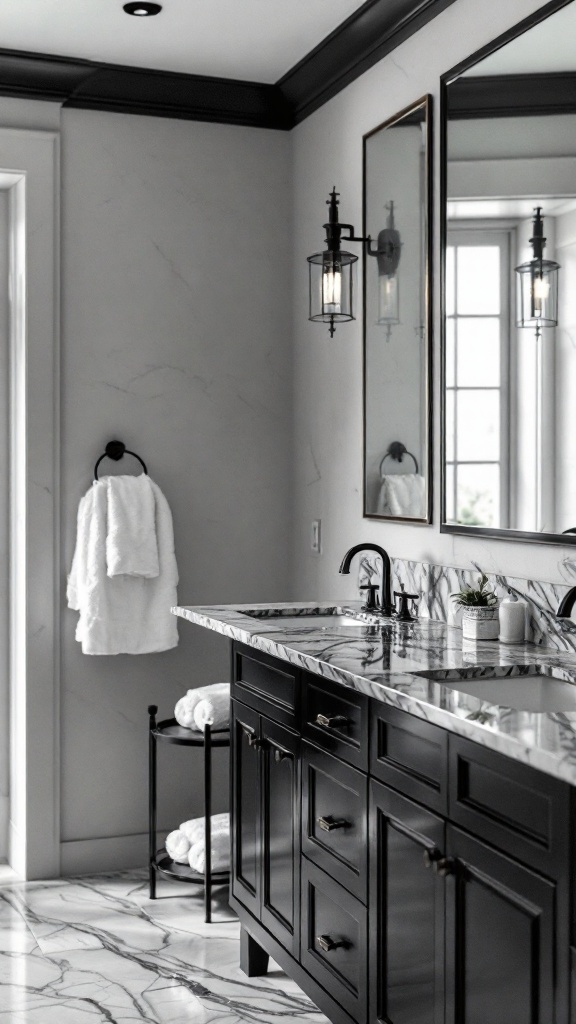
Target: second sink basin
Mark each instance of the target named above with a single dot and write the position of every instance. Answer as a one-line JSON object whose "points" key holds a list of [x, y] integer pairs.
{"points": [[534, 692]]}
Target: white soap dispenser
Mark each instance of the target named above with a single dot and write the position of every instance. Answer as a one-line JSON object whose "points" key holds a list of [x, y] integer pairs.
{"points": [[512, 620]]}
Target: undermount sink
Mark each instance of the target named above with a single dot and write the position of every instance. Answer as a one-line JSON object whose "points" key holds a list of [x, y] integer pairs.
{"points": [[534, 691], [329, 621]]}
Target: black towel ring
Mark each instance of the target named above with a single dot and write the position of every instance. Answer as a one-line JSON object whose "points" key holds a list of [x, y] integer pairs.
{"points": [[397, 451], [115, 450]]}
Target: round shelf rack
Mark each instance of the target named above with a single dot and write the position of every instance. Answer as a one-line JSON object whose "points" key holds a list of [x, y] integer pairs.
{"points": [[160, 863]]}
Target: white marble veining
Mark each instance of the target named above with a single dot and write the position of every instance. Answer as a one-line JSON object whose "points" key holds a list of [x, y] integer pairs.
{"points": [[99, 950], [392, 661], [435, 584]]}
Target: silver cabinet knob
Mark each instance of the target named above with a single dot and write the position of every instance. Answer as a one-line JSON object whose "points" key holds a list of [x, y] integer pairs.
{"points": [[331, 721], [329, 824], [328, 944]]}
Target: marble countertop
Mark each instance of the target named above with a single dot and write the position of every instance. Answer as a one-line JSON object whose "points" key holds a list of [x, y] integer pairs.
{"points": [[392, 662]]}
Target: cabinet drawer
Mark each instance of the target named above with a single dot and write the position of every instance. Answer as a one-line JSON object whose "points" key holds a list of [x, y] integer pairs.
{"points": [[334, 818], [517, 808], [410, 755], [333, 942], [335, 719], [265, 683]]}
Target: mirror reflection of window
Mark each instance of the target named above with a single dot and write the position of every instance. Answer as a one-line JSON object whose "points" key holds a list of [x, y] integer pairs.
{"points": [[477, 356]]}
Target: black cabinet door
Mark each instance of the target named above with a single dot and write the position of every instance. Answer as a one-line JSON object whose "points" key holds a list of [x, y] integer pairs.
{"points": [[245, 818], [406, 912], [280, 834], [501, 938]]}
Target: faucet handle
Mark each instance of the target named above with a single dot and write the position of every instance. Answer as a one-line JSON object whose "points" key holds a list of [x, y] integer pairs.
{"points": [[403, 611], [372, 599]]}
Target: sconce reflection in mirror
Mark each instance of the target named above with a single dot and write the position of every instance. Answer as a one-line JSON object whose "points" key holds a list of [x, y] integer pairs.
{"points": [[388, 255], [331, 276], [537, 295]]}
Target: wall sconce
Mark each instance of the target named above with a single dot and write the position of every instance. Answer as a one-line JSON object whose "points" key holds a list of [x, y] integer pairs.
{"points": [[388, 252], [537, 293], [331, 277]]}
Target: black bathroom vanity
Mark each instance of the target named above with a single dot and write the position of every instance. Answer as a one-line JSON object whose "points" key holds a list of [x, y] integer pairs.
{"points": [[402, 849]]}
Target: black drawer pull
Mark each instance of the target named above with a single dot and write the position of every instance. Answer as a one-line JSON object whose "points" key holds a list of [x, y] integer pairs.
{"points": [[329, 824], [445, 866], [431, 857], [280, 755], [327, 944], [331, 722]]}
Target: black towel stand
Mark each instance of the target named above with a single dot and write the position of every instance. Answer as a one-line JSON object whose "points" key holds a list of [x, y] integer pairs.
{"points": [[115, 450]]}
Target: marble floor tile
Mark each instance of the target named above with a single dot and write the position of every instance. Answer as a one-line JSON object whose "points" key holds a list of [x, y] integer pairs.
{"points": [[91, 950]]}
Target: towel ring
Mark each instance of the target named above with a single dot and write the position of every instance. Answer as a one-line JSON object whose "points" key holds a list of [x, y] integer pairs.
{"points": [[115, 450], [397, 451]]}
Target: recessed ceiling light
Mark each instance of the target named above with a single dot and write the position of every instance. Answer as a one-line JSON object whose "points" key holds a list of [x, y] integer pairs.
{"points": [[142, 9]]}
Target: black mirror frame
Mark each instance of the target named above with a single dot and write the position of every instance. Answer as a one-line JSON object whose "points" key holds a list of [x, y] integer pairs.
{"points": [[425, 102], [490, 101]]}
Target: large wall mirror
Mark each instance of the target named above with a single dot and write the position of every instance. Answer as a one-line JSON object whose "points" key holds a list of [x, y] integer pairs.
{"points": [[509, 284], [397, 369]]}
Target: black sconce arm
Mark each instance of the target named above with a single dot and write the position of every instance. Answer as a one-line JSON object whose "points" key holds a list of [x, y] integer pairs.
{"points": [[372, 248]]}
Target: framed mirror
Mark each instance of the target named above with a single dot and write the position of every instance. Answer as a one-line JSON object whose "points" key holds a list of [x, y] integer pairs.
{"points": [[508, 194], [397, 317]]}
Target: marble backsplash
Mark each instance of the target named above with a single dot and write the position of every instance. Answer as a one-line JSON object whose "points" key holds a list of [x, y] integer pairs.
{"points": [[435, 584]]}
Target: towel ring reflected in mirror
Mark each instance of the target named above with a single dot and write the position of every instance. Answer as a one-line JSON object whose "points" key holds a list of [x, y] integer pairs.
{"points": [[115, 450], [396, 450]]}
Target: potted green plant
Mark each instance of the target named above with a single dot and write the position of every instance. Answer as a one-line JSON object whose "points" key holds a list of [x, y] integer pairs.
{"points": [[479, 610]]}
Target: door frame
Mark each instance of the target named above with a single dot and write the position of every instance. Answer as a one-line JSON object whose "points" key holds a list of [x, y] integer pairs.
{"points": [[29, 170]]}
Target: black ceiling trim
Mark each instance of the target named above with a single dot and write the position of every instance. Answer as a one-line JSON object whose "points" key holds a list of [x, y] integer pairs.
{"points": [[354, 47], [512, 95], [193, 97], [128, 90], [369, 34]]}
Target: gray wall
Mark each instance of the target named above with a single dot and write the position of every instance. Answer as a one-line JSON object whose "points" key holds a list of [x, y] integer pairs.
{"points": [[175, 333]]}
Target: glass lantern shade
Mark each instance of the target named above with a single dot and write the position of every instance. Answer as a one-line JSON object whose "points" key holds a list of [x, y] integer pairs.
{"points": [[331, 279], [388, 299], [537, 300]]}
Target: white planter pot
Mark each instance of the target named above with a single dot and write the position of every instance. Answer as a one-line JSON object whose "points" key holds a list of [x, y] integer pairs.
{"points": [[480, 623]]}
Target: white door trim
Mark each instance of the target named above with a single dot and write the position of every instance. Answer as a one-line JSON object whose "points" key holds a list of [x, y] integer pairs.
{"points": [[29, 168]]}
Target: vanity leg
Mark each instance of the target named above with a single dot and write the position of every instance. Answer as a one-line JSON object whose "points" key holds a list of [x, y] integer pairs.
{"points": [[253, 959]]}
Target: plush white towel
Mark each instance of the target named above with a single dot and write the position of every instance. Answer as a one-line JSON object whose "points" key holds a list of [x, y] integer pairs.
{"points": [[402, 494], [177, 846], [122, 614], [220, 847], [194, 829], [186, 706], [131, 547], [213, 710]]}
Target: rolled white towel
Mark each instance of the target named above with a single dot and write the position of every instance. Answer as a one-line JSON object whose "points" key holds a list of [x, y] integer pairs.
{"points": [[220, 853], [213, 710], [177, 846], [184, 710], [194, 829]]}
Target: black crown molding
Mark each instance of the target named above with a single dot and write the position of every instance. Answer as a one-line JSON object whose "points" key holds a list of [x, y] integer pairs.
{"points": [[512, 95], [362, 40]]}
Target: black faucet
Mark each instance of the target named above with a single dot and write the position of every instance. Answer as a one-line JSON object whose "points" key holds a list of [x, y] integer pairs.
{"points": [[387, 608], [566, 604]]}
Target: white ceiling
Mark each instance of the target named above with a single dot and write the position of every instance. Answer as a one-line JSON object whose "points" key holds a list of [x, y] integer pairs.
{"points": [[254, 40], [547, 47]]}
